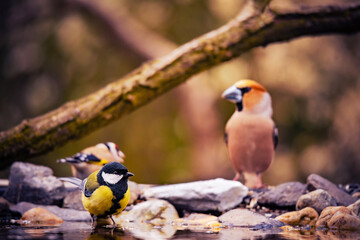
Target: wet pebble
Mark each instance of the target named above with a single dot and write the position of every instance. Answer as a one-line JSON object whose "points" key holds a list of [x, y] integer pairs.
{"points": [[304, 217], [284, 195], [29, 182], [65, 214], [152, 219], [153, 211], [342, 198], [318, 200], [210, 195], [245, 218], [196, 219], [41, 216], [339, 218], [199, 222]]}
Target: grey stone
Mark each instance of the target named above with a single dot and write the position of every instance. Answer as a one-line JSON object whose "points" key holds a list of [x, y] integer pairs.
{"points": [[73, 200], [4, 205], [154, 211], [245, 218], [210, 195], [283, 196], [64, 213], [315, 181], [32, 183], [152, 219], [318, 200]]}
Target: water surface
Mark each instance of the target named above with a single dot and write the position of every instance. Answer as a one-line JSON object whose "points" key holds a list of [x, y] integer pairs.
{"points": [[83, 230]]}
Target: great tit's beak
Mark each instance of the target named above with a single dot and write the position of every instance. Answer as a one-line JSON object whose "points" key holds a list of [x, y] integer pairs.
{"points": [[233, 94], [129, 174]]}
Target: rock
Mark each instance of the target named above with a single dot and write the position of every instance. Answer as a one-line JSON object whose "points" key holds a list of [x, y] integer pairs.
{"points": [[196, 219], [210, 195], [356, 195], [318, 200], [73, 200], [355, 208], [305, 217], [41, 216], [282, 196], [151, 219], [315, 181], [4, 205], [6, 215], [154, 211], [199, 222], [245, 218], [351, 188], [339, 218], [32, 183], [64, 213], [137, 190]]}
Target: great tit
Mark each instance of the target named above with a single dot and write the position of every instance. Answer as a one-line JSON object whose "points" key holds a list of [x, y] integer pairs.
{"points": [[93, 158], [250, 134], [104, 192]]}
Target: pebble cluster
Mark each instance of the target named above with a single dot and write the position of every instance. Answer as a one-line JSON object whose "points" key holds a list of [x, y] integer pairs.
{"points": [[212, 205]]}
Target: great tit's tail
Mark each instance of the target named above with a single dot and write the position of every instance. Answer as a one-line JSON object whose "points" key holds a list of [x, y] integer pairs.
{"points": [[76, 181]]}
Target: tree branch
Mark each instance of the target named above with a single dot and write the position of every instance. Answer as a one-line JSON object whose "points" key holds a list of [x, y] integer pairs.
{"points": [[268, 24]]}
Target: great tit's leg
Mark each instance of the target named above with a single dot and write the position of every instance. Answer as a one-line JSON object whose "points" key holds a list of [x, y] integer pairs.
{"points": [[93, 220], [114, 224]]}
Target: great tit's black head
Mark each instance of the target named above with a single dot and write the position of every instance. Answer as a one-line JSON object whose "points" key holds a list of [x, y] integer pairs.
{"points": [[113, 173]]}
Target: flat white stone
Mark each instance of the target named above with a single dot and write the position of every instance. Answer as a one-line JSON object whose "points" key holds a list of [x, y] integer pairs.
{"points": [[209, 195]]}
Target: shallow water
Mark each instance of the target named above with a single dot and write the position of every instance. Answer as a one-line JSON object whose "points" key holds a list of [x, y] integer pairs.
{"points": [[83, 230]]}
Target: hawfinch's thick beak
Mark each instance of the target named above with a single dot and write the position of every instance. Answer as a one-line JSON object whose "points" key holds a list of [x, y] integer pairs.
{"points": [[233, 94]]}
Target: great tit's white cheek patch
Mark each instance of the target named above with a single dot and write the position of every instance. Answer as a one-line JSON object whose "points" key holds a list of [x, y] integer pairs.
{"points": [[111, 178]]}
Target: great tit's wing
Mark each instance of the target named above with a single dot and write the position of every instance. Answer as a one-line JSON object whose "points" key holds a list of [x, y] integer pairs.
{"points": [[76, 181], [79, 158], [90, 184]]}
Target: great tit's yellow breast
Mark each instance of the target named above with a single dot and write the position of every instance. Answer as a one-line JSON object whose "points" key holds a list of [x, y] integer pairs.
{"points": [[124, 201], [99, 202]]}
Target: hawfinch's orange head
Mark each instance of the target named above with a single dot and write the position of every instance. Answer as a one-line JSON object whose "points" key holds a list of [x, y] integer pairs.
{"points": [[249, 96]]}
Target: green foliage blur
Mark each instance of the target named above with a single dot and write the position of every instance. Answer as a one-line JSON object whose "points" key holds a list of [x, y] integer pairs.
{"points": [[51, 54]]}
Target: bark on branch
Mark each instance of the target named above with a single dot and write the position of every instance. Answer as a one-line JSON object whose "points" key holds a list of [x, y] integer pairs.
{"points": [[261, 26]]}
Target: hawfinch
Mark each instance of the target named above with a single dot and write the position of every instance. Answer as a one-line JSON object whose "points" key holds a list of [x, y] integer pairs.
{"points": [[250, 134], [93, 158]]}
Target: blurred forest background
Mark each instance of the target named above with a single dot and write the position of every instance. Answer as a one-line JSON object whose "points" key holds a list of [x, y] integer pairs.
{"points": [[51, 52]]}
